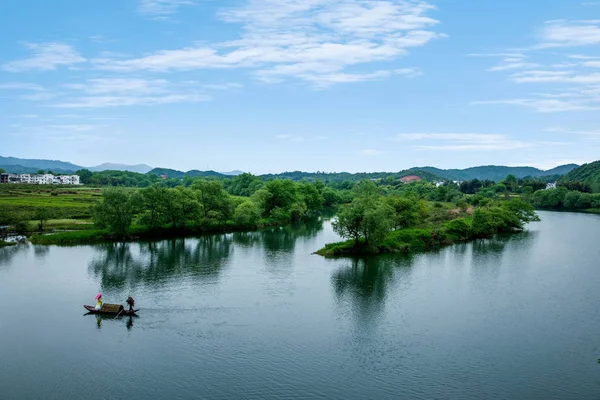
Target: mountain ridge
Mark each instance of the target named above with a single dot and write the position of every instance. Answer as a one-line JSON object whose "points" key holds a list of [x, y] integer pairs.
{"points": [[491, 172]]}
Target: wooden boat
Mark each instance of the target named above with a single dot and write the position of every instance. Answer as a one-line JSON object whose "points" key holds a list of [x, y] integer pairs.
{"points": [[111, 309]]}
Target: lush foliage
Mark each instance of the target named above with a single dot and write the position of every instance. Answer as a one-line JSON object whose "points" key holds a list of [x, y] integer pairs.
{"points": [[205, 203], [496, 217], [588, 174]]}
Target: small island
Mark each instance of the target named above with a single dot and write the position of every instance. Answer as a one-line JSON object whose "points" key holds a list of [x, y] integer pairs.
{"points": [[375, 224]]}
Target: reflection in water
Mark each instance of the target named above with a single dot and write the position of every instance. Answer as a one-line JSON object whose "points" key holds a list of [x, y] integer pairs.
{"points": [[9, 252], [364, 283], [100, 318], [120, 264], [40, 252], [126, 264]]}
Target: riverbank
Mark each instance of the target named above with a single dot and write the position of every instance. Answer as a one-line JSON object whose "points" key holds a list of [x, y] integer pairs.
{"points": [[6, 244], [94, 236]]}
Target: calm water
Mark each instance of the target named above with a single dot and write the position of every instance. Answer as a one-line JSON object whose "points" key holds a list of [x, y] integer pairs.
{"points": [[256, 316]]}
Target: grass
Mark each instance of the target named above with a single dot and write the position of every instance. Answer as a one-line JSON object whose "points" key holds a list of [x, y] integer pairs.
{"points": [[6, 244], [71, 238], [62, 202]]}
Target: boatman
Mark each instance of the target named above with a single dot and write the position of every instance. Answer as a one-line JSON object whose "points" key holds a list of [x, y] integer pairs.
{"points": [[130, 303]]}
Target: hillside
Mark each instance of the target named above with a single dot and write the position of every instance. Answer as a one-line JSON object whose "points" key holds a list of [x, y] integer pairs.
{"points": [[35, 165], [139, 168], [346, 176], [173, 173], [587, 173], [20, 169], [496, 172]]}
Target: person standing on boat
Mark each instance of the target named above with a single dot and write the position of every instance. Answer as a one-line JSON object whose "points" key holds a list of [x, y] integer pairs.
{"points": [[98, 299], [130, 303]]}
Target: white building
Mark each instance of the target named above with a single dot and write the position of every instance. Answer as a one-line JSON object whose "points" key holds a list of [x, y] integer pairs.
{"points": [[551, 185], [45, 179]]}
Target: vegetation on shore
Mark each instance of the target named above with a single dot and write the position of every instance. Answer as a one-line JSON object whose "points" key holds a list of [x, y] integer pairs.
{"points": [[6, 244], [191, 205], [375, 224], [204, 207]]}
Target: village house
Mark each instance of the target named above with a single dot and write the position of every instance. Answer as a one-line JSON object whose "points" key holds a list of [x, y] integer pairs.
{"points": [[410, 179], [40, 179]]}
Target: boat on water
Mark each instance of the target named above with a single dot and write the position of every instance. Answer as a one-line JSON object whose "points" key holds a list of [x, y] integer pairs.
{"points": [[111, 309]]}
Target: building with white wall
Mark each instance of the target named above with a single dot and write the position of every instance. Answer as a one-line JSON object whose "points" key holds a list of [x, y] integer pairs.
{"points": [[40, 179]]}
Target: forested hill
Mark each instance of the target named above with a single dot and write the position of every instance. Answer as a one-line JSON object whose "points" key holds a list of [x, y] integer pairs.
{"points": [[33, 165], [588, 174], [346, 176], [173, 173], [496, 172]]}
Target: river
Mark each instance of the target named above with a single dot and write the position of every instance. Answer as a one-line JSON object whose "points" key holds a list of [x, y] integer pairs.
{"points": [[257, 316]]}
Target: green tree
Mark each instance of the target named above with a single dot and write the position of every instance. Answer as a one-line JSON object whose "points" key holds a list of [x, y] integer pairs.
{"points": [[156, 203], [42, 215], [247, 214], [85, 176], [215, 201], [182, 206], [116, 210], [41, 172], [2, 171], [368, 217]]}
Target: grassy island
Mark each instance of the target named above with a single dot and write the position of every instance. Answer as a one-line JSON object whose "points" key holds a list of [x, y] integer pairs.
{"points": [[376, 224]]}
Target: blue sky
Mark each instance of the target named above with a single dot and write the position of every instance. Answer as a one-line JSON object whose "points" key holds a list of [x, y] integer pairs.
{"points": [[314, 85]]}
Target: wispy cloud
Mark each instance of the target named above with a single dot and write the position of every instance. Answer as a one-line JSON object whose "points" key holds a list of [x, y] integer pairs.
{"points": [[544, 105], [46, 57], [316, 41], [112, 92], [566, 33], [21, 86], [461, 141], [161, 9], [575, 77]]}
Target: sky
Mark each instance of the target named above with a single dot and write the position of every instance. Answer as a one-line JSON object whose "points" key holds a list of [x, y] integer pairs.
{"points": [[313, 85]]}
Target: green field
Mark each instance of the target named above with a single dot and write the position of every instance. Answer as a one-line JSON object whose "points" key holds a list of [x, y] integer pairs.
{"points": [[62, 202]]}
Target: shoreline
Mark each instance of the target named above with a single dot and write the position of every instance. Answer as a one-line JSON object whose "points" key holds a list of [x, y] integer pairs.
{"points": [[97, 236], [405, 241]]}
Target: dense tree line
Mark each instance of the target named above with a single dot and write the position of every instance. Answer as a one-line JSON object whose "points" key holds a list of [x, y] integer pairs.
{"points": [[206, 203]]}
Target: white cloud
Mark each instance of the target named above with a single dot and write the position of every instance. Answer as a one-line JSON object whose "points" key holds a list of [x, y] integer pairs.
{"points": [[544, 105], [76, 128], [461, 141], [113, 92], [122, 85], [311, 40], [161, 9], [21, 86], [125, 100], [566, 33], [46, 57]]}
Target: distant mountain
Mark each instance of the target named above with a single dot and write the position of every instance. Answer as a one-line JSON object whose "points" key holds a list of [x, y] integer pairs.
{"points": [[496, 172], [587, 173], [173, 173], [139, 168], [232, 173], [53, 165], [561, 170], [19, 169], [346, 176]]}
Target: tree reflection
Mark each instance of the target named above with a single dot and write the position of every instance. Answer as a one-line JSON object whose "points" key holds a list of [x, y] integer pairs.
{"points": [[364, 283], [120, 264], [9, 252]]}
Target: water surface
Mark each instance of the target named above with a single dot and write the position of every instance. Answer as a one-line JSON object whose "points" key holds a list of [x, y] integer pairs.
{"points": [[257, 316]]}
